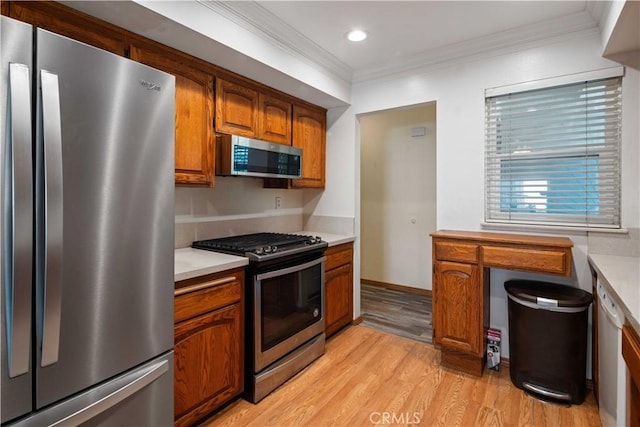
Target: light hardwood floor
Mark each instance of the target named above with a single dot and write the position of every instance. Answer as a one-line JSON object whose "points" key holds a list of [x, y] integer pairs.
{"points": [[368, 377]]}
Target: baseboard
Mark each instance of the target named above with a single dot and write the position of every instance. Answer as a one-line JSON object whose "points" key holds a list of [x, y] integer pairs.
{"points": [[504, 362], [402, 288], [356, 321]]}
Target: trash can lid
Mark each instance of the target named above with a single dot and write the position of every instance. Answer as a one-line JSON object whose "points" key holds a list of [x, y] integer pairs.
{"points": [[563, 295]]}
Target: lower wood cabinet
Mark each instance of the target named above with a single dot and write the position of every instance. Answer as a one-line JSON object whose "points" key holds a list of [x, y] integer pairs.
{"points": [[461, 268], [460, 299], [209, 344], [338, 279], [631, 354]]}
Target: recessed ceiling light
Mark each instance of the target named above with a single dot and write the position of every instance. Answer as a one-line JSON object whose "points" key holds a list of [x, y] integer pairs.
{"points": [[356, 35]]}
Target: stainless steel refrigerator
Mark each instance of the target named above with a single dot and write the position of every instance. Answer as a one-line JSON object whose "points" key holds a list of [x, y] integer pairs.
{"points": [[86, 174]]}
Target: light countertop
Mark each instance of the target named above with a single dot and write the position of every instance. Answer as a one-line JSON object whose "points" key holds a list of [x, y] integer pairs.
{"points": [[621, 275], [191, 262]]}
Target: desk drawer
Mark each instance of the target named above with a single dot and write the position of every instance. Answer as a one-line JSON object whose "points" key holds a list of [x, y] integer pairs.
{"points": [[454, 251], [540, 261]]}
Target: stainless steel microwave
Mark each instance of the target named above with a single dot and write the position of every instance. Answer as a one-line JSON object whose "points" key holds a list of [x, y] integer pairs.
{"points": [[237, 155]]}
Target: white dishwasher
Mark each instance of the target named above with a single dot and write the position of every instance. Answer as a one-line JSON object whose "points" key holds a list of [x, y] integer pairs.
{"points": [[612, 371]]}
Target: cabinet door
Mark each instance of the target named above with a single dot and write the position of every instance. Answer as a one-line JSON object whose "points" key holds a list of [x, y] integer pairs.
{"points": [[236, 109], [309, 133], [631, 354], [208, 363], [194, 115], [458, 306], [274, 120], [338, 298]]}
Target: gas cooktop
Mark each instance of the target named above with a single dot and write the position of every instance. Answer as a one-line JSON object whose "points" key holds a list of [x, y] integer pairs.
{"points": [[262, 246]]}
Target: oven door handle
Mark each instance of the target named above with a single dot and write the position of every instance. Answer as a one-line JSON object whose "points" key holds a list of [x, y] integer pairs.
{"points": [[290, 270]]}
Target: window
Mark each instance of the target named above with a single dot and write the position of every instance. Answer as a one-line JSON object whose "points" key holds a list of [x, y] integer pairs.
{"points": [[553, 155]]}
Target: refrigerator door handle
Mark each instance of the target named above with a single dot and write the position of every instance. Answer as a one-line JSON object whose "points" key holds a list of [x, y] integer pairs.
{"points": [[18, 221], [53, 217], [146, 377]]}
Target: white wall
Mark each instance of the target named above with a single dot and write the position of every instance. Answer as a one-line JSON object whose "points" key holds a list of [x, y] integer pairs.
{"points": [[458, 89], [398, 195]]}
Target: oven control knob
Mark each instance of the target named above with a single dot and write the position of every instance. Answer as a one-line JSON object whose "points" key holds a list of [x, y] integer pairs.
{"points": [[267, 249], [259, 251], [274, 248]]}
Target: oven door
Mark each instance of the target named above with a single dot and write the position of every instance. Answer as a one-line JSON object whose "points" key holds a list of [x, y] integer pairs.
{"points": [[288, 308]]}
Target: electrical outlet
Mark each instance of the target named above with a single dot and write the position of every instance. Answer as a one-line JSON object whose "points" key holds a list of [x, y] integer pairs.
{"points": [[278, 201]]}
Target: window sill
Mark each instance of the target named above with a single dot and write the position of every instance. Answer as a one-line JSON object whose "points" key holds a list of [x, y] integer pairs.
{"points": [[550, 228]]}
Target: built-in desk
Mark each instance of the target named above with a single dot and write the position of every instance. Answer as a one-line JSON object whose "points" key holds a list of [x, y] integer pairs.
{"points": [[461, 262]]}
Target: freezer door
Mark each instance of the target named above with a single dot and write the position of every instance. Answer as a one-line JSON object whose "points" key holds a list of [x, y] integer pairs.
{"points": [[16, 218], [140, 397], [104, 209]]}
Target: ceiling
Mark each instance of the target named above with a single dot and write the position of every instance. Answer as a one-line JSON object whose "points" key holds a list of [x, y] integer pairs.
{"points": [[399, 30], [299, 47]]}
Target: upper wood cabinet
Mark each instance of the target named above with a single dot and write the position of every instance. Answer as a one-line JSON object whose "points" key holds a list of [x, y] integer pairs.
{"points": [[68, 22], [274, 120], [236, 109], [195, 149], [309, 133], [240, 107], [242, 110]]}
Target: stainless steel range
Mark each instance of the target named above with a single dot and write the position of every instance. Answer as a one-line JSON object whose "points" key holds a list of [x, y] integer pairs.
{"points": [[284, 305]]}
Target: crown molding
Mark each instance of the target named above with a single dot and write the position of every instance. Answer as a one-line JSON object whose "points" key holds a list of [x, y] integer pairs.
{"points": [[251, 16], [268, 26], [521, 38]]}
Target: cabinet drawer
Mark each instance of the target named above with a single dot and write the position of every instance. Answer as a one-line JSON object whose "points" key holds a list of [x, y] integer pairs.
{"points": [[199, 298], [338, 255], [538, 260], [453, 251]]}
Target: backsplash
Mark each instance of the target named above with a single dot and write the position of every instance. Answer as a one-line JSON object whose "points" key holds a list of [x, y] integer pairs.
{"points": [[329, 224], [622, 244], [240, 205], [237, 205]]}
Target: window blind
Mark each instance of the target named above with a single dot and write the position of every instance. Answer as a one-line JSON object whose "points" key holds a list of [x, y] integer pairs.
{"points": [[552, 155]]}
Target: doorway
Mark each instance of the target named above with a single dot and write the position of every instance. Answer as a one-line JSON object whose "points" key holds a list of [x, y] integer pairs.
{"points": [[397, 213]]}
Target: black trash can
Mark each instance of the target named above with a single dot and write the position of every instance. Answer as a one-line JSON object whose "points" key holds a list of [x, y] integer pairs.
{"points": [[548, 339]]}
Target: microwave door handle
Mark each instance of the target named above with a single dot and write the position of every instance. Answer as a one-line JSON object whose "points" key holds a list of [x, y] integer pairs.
{"points": [[17, 194], [53, 217]]}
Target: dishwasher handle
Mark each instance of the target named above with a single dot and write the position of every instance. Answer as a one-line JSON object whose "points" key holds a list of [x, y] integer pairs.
{"points": [[610, 307]]}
